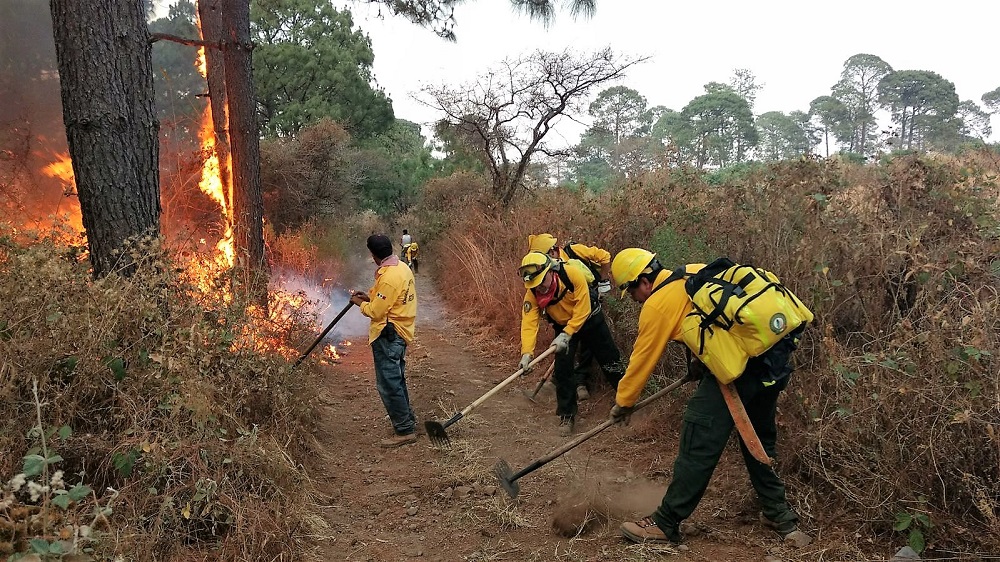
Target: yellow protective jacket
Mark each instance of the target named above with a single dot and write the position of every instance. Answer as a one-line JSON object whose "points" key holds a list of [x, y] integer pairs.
{"points": [[571, 311], [591, 254], [659, 324], [393, 299]]}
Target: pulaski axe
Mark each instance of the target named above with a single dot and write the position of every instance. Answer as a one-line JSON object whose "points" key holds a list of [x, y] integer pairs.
{"points": [[743, 424]]}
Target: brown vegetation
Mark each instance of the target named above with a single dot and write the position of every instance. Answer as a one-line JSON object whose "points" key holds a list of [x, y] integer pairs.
{"points": [[893, 422], [180, 415]]}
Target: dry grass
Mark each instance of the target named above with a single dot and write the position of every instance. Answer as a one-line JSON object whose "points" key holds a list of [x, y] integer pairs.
{"points": [[894, 414], [186, 414]]}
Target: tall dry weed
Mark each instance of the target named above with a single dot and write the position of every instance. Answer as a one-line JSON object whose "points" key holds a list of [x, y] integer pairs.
{"points": [[176, 407], [894, 414]]}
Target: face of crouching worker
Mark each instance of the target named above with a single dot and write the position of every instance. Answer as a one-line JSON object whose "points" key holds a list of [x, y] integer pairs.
{"points": [[640, 289], [546, 285]]}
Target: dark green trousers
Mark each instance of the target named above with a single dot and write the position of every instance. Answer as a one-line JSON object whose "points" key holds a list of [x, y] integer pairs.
{"points": [[705, 431], [596, 337]]}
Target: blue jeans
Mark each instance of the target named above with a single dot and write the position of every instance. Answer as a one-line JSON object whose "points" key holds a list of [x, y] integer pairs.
{"points": [[389, 351]]}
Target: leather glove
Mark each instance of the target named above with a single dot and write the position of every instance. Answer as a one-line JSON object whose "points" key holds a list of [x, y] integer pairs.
{"points": [[621, 414], [561, 342], [525, 364]]}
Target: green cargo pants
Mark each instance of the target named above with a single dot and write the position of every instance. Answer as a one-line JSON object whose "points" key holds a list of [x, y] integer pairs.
{"points": [[705, 431]]}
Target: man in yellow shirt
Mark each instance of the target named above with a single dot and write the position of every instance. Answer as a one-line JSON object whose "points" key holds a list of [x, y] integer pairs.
{"points": [[598, 260], [391, 304], [707, 421], [559, 291]]}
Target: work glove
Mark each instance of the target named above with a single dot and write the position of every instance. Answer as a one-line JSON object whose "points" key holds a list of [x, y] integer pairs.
{"points": [[525, 364], [621, 414], [561, 342], [603, 288]]}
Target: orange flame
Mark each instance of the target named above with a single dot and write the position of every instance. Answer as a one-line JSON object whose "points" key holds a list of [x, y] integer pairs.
{"points": [[61, 168], [331, 350], [211, 178]]}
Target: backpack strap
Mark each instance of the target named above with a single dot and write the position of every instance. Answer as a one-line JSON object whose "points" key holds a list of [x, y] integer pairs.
{"points": [[564, 277], [595, 303], [675, 275]]}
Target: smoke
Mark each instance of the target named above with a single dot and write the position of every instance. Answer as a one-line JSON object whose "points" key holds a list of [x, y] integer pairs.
{"points": [[325, 300], [31, 128]]}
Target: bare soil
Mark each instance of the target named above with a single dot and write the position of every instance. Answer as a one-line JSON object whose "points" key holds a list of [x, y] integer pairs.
{"points": [[419, 502]]}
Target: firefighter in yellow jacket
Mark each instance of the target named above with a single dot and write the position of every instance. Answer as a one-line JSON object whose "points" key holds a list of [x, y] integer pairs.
{"points": [[707, 423], [560, 292], [598, 260], [391, 304]]}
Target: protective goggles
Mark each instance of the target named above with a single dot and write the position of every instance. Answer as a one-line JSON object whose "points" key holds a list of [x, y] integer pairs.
{"points": [[628, 286], [531, 271]]}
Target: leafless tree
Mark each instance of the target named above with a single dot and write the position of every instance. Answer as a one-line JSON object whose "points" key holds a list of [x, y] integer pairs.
{"points": [[505, 115]]}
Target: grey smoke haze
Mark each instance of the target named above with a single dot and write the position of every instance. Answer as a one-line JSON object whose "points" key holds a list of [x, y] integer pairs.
{"points": [[31, 127]]}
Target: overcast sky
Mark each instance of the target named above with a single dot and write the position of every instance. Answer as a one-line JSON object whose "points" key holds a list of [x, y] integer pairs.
{"points": [[795, 48]]}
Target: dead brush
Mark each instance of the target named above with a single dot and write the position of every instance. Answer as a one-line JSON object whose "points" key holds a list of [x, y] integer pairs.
{"points": [[197, 433], [892, 411], [498, 513]]}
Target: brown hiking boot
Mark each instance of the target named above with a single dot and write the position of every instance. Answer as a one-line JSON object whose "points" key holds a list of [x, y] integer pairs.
{"points": [[789, 532], [582, 393], [398, 441], [646, 531], [566, 425]]}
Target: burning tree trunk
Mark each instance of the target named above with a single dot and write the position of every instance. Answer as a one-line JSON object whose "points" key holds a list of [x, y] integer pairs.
{"points": [[106, 80], [212, 31], [248, 202]]}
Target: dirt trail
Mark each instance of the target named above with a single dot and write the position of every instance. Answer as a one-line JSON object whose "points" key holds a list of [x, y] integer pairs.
{"points": [[421, 503]]}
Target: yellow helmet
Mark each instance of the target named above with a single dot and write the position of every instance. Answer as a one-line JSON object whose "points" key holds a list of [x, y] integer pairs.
{"points": [[533, 268], [628, 265], [541, 242]]}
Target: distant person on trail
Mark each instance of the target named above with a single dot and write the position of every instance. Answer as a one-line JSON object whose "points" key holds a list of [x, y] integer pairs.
{"points": [[560, 292], [598, 260], [409, 251], [707, 421], [391, 304]]}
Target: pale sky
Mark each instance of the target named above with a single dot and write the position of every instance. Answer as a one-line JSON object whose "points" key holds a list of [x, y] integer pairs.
{"points": [[795, 48]]}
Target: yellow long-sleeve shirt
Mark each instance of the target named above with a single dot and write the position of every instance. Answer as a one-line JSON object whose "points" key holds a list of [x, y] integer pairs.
{"points": [[393, 299], [659, 324], [571, 311], [593, 254]]}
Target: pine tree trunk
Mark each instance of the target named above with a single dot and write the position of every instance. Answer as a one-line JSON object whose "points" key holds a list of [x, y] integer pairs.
{"points": [[106, 80], [248, 203], [213, 31]]}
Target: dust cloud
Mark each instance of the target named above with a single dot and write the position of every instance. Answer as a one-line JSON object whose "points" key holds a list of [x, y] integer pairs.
{"points": [[595, 500]]}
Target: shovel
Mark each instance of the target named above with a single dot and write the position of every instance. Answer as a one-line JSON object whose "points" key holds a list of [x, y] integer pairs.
{"points": [[541, 383], [323, 335], [435, 429], [508, 478]]}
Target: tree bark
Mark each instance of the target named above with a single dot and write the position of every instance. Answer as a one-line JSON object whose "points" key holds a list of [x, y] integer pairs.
{"points": [[106, 81], [248, 203], [212, 32]]}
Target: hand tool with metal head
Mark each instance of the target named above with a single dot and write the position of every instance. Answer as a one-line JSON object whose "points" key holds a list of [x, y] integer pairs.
{"points": [[436, 430], [323, 335], [541, 383], [508, 479]]}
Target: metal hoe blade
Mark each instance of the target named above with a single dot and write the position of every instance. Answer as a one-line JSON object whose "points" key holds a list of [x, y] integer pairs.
{"points": [[437, 434], [540, 384], [506, 477]]}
